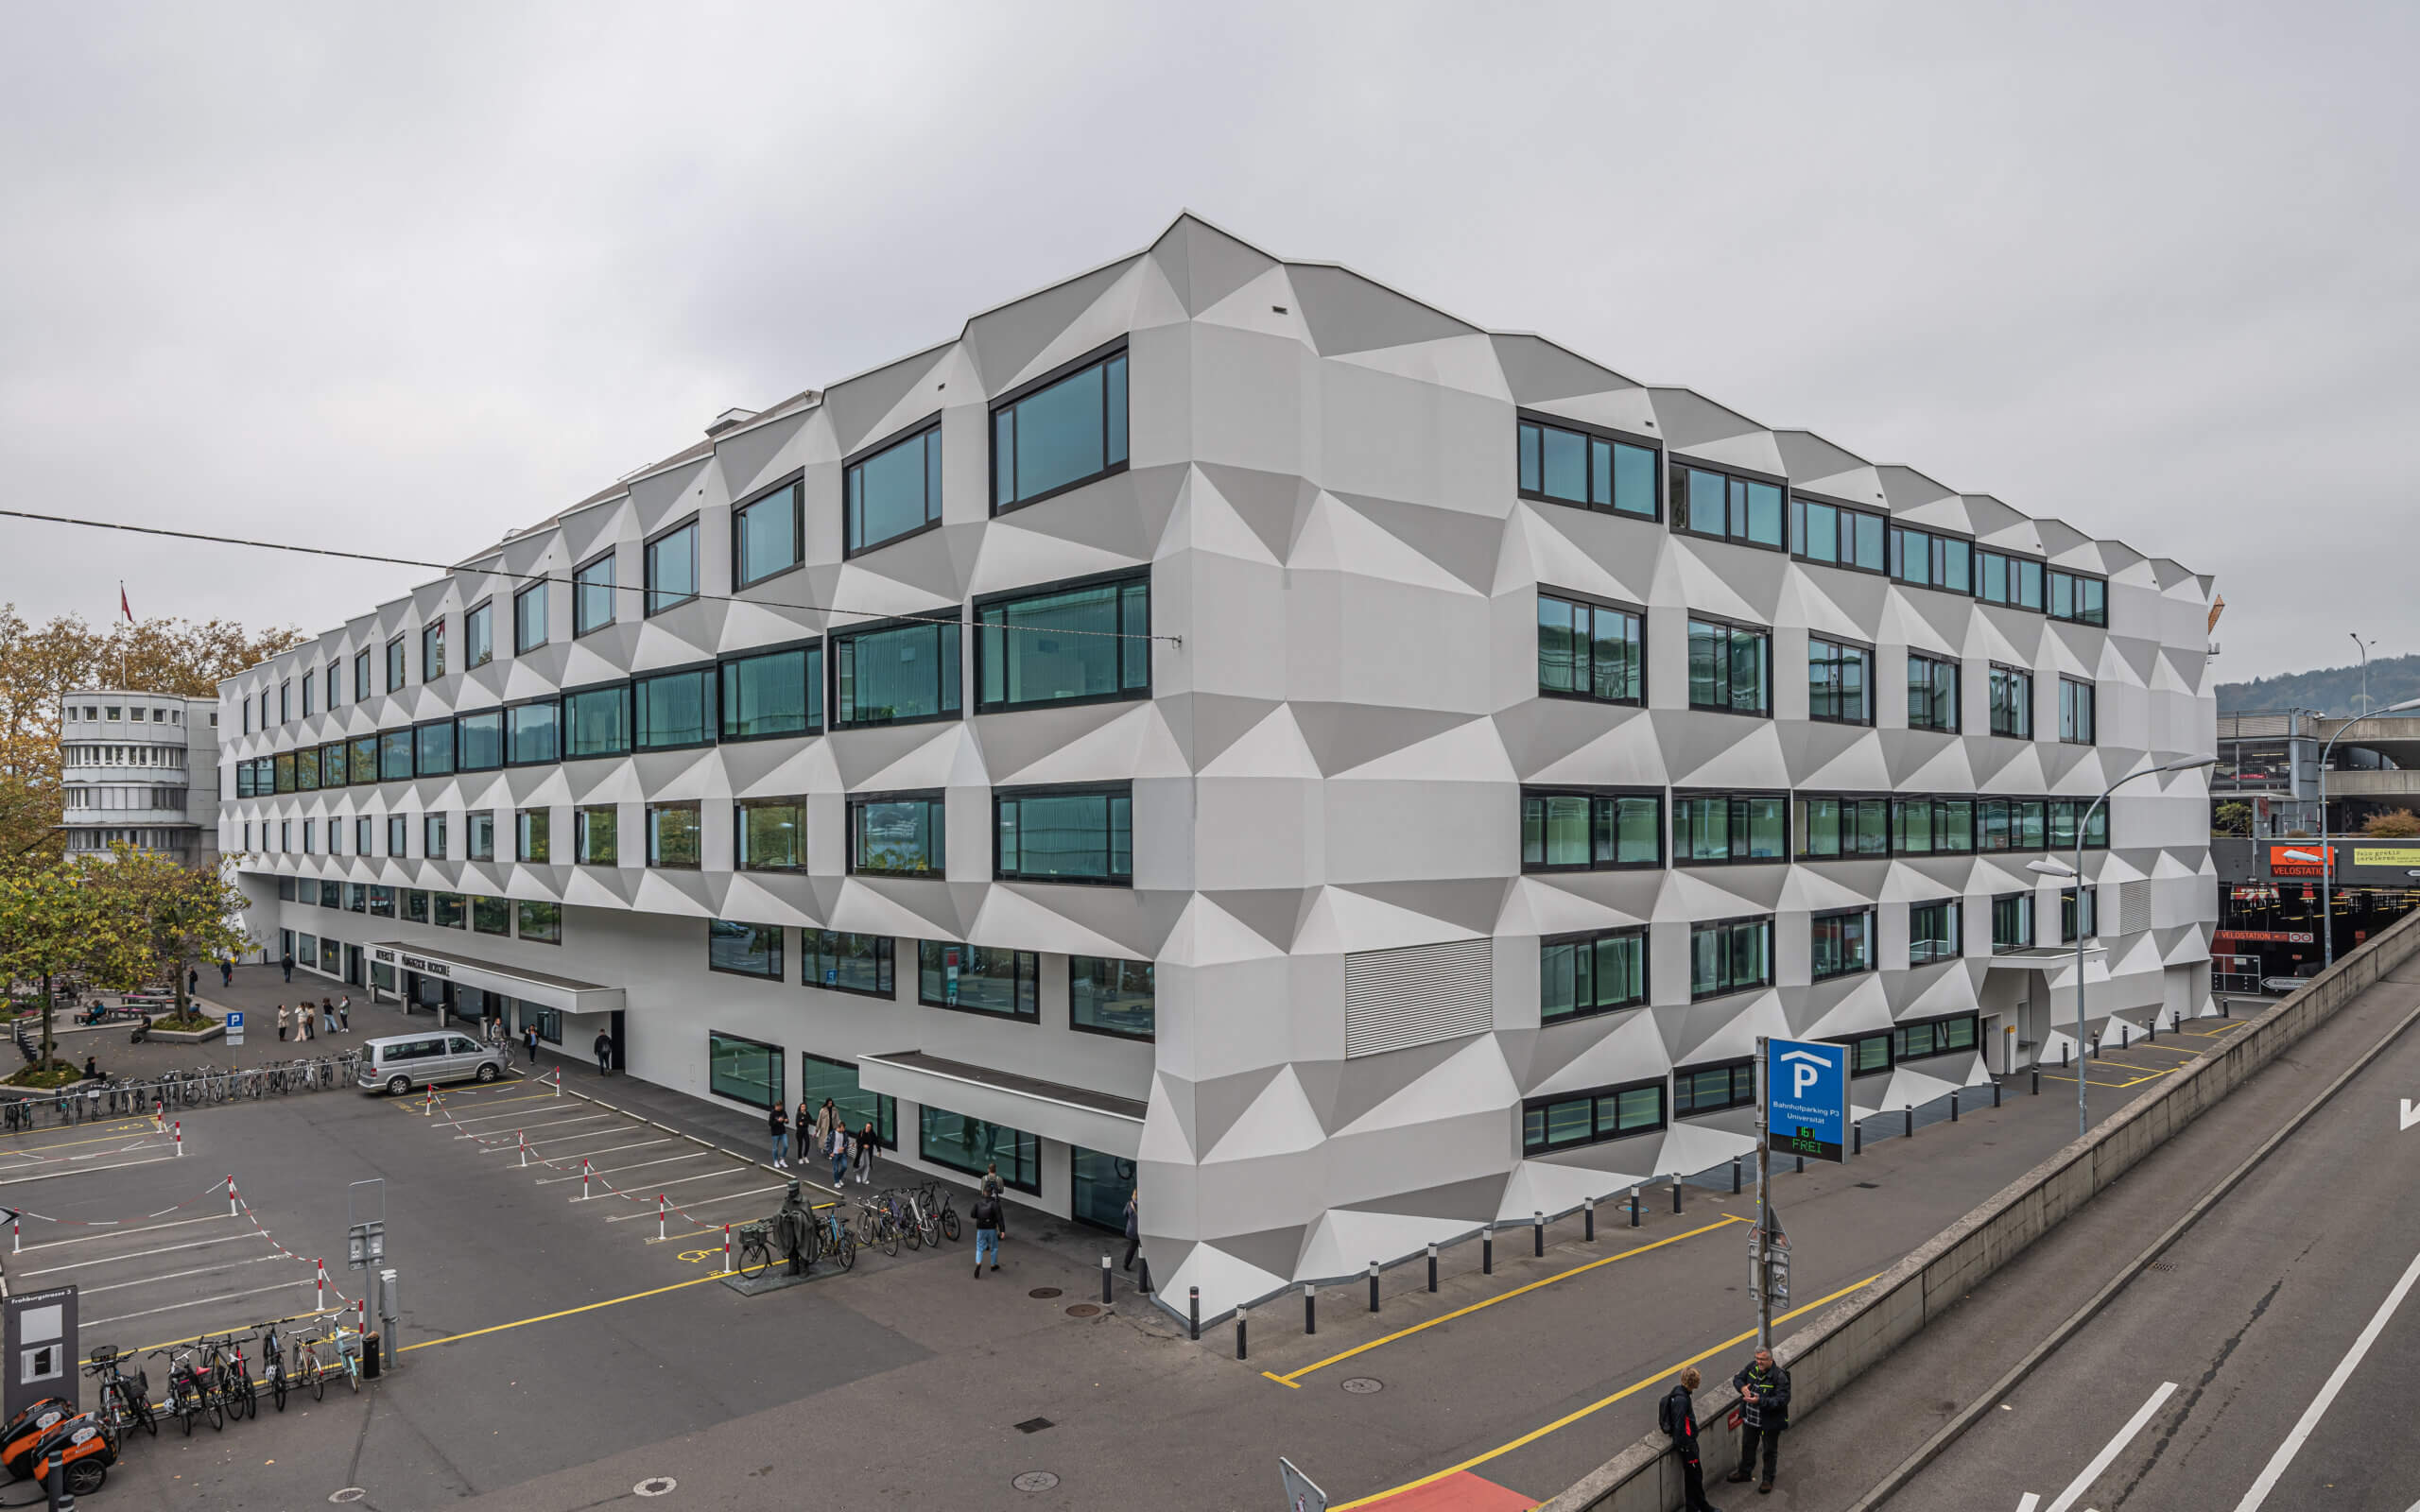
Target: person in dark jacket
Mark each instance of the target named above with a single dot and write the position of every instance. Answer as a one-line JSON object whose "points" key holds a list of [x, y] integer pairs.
{"points": [[604, 1048], [1134, 1227], [529, 1042], [779, 1125], [286, 963], [1677, 1415], [987, 1231], [1764, 1412]]}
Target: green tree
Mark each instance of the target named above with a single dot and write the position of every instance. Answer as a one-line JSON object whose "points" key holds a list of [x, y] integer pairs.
{"points": [[2231, 818], [48, 918], [162, 919], [2394, 824]]}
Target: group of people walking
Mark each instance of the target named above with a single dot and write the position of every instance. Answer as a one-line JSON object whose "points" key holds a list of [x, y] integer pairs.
{"points": [[302, 1021], [823, 1134]]}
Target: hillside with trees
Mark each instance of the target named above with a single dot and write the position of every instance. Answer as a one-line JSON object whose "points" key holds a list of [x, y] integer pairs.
{"points": [[2328, 691]]}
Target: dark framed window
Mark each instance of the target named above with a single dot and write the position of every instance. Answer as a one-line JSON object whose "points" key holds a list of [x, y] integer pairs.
{"points": [[448, 910], [1841, 943], [432, 652], [773, 693], [382, 901], [1111, 996], [1731, 955], [1936, 932], [331, 764], [1565, 462], [1926, 559], [673, 710], [490, 916], [744, 950], [971, 1145], [2012, 702], [596, 722], [1709, 828], [331, 893], [2064, 814], [360, 676], [282, 767], [898, 673], [396, 665], [978, 979], [1591, 828], [2011, 824], [1725, 505], [892, 490], [529, 619], [1059, 432], [1944, 1035], [1065, 833], [745, 1071], [2012, 921], [1831, 827], [2078, 599], [768, 533], [592, 595], [1588, 651], [541, 923], [841, 962], [479, 835], [2012, 581], [1075, 643], [478, 634], [365, 759], [1712, 1088], [2078, 913], [1932, 826], [415, 906], [306, 770], [1584, 974], [1839, 682], [2077, 709], [1869, 1054], [1932, 694], [768, 833], [479, 741], [308, 678], [433, 748], [532, 837], [595, 836], [674, 835], [671, 565], [898, 833], [1730, 667], [1837, 536], [1568, 1119], [398, 835], [822, 1078], [533, 732]]}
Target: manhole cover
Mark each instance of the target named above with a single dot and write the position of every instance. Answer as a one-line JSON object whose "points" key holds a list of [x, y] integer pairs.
{"points": [[1044, 1291], [1083, 1310], [1035, 1481], [655, 1485], [1363, 1385], [351, 1493]]}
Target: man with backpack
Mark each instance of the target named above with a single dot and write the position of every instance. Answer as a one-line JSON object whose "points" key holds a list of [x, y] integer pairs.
{"points": [[1677, 1416], [1764, 1412], [985, 1214]]}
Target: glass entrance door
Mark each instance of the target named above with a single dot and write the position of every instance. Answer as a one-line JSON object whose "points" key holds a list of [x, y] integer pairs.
{"points": [[1099, 1185]]}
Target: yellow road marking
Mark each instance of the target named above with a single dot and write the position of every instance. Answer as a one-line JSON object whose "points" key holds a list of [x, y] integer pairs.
{"points": [[548, 1317], [140, 1349], [1294, 1376], [1570, 1417]]}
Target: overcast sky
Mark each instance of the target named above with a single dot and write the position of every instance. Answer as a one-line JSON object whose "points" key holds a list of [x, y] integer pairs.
{"points": [[397, 278]]}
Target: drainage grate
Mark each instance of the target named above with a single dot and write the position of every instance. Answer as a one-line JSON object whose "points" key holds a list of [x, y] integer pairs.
{"points": [[1032, 1425], [2163, 1264], [1043, 1291], [1083, 1310], [1871, 1186]]}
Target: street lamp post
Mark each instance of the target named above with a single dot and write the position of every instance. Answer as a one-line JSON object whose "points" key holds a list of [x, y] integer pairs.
{"points": [[2327, 852], [2363, 646], [2055, 869]]}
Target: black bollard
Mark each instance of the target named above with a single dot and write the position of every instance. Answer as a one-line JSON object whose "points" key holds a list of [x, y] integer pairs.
{"points": [[1193, 1313], [1953, 1103], [1373, 1286], [1487, 1250], [1589, 1219], [1735, 1176], [2037, 1081], [1432, 1267], [1857, 1139], [1145, 1261], [1537, 1233], [1241, 1352], [2125, 1035], [1634, 1207], [1104, 1279], [1802, 1165], [1676, 1192], [1911, 1122], [1310, 1310], [1996, 1095], [2065, 1051]]}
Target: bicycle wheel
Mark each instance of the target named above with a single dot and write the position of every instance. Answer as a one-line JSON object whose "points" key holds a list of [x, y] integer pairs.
{"points": [[217, 1414], [848, 1250], [754, 1255], [911, 1231], [183, 1406], [139, 1409], [277, 1386], [931, 1231], [319, 1376], [891, 1239], [949, 1223], [352, 1371]]}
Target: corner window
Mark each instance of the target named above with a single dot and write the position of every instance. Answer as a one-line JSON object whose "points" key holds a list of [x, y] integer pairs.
{"points": [[478, 635], [2012, 702], [779, 692], [1840, 682], [1724, 507], [847, 963], [1932, 694], [2079, 600], [1591, 830], [1584, 974], [744, 950], [541, 923], [768, 833], [745, 1071], [533, 732], [672, 568], [767, 534], [433, 748], [1711, 1089], [2076, 710], [1113, 997], [897, 674], [1064, 834], [1730, 667], [2079, 914], [432, 837], [1935, 931], [479, 835], [592, 596], [479, 741], [892, 490], [1591, 651], [1724, 827], [1841, 943], [971, 1145], [1060, 432], [1831, 827], [1835, 536], [978, 979], [1568, 464], [2015, 581], [529, 619], [2012, 922], [596, 722], [1924, 560], [531, 835], [898, 833], [1079, 645], [594, 835], [396, 665], [673, 710], [1732, 956], [673, 835], [432, 652], [1569, 1120]]}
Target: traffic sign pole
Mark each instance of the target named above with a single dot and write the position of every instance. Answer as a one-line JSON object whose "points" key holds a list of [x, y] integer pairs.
{"points": [[1759, 1284]]}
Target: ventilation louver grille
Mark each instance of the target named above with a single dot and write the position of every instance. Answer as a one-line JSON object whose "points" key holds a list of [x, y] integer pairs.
{"points": [[1417, 995]]}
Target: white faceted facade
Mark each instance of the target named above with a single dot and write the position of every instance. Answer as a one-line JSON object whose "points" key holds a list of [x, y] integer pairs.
{"points": [[1357, 842]]}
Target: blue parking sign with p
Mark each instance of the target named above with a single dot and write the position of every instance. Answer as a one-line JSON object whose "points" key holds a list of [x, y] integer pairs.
{"points": [[1806, 1098]]}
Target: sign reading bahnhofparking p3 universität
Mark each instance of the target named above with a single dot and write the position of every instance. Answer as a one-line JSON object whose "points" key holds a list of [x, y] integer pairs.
{"points": [[1806, 1098]]}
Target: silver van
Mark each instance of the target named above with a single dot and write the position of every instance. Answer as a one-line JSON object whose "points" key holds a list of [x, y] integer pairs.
{"points": [[400, 1062]]}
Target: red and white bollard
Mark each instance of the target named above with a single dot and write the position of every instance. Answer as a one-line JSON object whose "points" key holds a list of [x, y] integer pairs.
{"points": [[231, 1196], [180, 1131], [659, 1217], [726, 1250], [558, 1081], [321, 1305], [428, 1103], [583, 1178], [15, 1232], [525, 1148]]}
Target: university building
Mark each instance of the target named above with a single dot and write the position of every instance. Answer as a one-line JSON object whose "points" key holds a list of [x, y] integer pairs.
{"points": [[1222, 727], [138, 769]]}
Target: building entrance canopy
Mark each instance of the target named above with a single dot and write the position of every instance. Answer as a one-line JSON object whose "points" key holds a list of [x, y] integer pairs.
{"points": [[1074, 1115], [542, 987]]}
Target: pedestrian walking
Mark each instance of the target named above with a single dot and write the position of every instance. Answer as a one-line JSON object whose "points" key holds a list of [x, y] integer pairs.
{"points": [[302, 1021], [803, 1130], [992, 1187], [1764, 1412], [283, 1020], [604, 1048], [327, 1016], [227, 970], [867, 1140], [839, 1155], [1134, 1227], [344, 1014], [288, 963], [779, 1125], [529, 1042], [985, 1214], [827, 1118], [1677, 1415], [193, 980]]}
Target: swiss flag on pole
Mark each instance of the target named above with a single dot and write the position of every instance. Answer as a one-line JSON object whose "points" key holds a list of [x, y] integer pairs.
{"points": [[124, 607]]}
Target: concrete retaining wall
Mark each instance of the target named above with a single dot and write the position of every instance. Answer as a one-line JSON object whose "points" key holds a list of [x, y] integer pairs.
{"points": [[1841, 1342]]}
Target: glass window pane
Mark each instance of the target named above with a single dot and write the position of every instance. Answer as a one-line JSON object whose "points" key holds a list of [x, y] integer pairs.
{"points": [[1567, 466], [1531, 446], [673, 835], [1764, 514], [1557, 647], [766, 535], [673, 709], [822, 1080], [771, 834], [1615, 659], [672, 568], [592, 600], [1707, 644], [1053, 646], [479, 741], [744, 1071], [977, 977], [534, 733], [433, 750], [1705, 501], [908, 672], [749, 950], [1869, 541], [529, 625], [897, 835], [889, 494], [1566, 830], [1822, 532], [1069, 835], [1060, 435], [767, 694], [598, 721], [1111, 996], [1633, 480]]}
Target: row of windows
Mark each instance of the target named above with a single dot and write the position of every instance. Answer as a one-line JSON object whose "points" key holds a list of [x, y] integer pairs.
{"points": [[134, 713], [1607, 829], [1591, 468], [126, 798], [168, 756], [539, 922], [1104, 995]]}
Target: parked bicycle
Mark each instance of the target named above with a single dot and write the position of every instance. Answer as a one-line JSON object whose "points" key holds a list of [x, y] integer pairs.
{"points": [[125, 1402], [191, 1393], [311, 1357], [273, 1364], [232, 1375]]}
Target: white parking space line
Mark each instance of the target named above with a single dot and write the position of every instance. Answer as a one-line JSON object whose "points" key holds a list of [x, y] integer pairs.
{"points": [[2100, 1462], [610, 1149], [120, 1233], [180, 1275], [198, 1301], [82, 1170], [490, 1144], [503, 1118], [2319, 1404], [136, 1254], [688, 1203], [681, 1181], [2028, 1502], [635, 1165]]}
